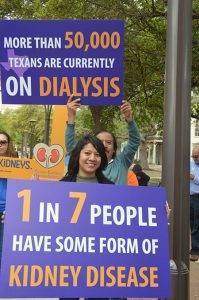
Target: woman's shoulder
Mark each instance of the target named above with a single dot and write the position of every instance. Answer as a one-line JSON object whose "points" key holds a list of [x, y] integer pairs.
{"points": [[67, 178]]}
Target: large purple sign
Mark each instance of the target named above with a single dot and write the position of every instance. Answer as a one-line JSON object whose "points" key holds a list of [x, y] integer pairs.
{"points": [[84, 240], [44, 62]]}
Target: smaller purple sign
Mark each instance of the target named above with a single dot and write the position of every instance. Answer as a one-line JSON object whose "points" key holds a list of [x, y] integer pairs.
{"points": [[84, 240], [47, 61]]}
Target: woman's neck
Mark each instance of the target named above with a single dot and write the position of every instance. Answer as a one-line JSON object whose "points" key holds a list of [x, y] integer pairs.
{"points": [[85, 175]]}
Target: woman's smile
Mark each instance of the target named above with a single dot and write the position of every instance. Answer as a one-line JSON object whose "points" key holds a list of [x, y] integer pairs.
{"points": [[89, 161]]}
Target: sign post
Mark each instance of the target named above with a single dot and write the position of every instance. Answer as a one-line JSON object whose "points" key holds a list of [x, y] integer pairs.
{"points": [[176, 140]]}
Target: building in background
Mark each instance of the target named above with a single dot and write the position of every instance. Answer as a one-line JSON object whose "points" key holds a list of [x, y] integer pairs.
{"points": [[194, 133], [155, 144]]}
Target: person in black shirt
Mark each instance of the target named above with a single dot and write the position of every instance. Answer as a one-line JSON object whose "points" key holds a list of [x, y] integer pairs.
{"points": [[142, 177]]}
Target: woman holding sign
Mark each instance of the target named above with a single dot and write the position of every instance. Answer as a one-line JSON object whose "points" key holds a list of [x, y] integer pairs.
{"points": [[118, 164], [115, 162], [87, 162], [6, 149]]}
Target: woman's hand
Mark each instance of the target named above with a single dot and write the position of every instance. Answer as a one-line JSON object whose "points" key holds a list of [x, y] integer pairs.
{"points": [[72, 106], [168, 210], [126, 110], [3, 217]]}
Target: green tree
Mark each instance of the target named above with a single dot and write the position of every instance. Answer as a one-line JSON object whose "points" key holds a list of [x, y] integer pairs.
{"points": [[25, 122], [145, 43]]}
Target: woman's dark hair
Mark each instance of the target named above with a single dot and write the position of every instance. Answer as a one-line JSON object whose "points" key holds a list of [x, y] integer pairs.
{"points": [[73, 166], [114, 141], [10, 151]]}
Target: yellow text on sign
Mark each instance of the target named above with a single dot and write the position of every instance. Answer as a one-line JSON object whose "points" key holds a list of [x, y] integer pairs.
{"points": [[26, 197]]}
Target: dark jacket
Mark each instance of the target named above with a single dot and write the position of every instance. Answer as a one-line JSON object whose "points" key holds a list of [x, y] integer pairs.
{"points": [[142, 178]]}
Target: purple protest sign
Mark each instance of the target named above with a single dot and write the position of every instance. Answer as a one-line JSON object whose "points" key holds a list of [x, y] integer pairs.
{"points": [[44, 62], [84, 240]]}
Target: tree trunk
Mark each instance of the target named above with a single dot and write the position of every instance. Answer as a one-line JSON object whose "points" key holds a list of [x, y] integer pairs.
{"points": [[143, 155], [96, 114]]}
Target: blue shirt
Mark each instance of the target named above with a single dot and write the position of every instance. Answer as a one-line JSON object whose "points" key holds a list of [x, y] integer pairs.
{"points": [[194, 184], [3, 188]]}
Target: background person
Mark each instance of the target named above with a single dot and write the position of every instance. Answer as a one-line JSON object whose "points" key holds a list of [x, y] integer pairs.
{"points": [[194, 204], [118, 164], [6, 146], [142, 177], [132, 178], [6, 149]]}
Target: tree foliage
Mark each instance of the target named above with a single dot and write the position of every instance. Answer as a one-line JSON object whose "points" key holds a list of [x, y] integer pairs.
{"points": [[145, 43], [25, 120]]}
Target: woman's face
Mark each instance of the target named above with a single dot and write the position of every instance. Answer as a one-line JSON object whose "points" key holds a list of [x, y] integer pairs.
{"points": [[3, 144], [107, 139], [89, 161]]}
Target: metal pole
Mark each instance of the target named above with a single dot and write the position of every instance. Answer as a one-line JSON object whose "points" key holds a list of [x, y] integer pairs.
{"points": [[176, 138]]}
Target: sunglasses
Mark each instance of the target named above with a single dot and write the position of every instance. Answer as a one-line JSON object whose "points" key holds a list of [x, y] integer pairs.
{"points": [[4, 142], [195, 156]]}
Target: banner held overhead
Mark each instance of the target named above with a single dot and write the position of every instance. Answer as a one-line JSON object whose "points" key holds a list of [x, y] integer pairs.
{"points": [[44, 62]]}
